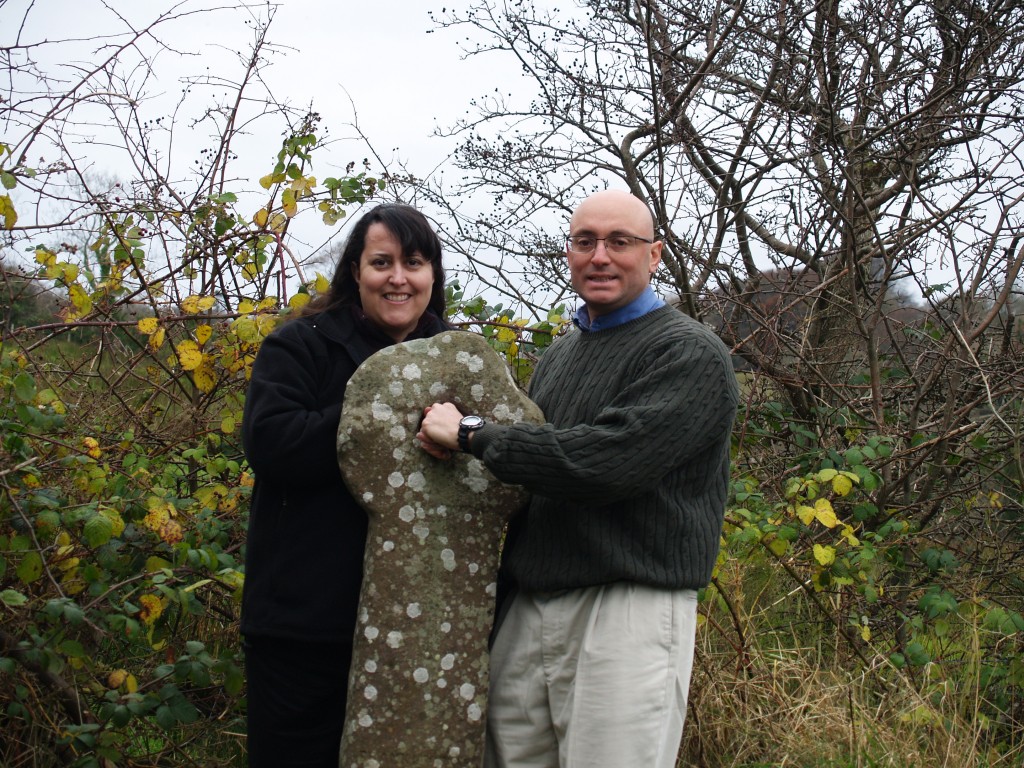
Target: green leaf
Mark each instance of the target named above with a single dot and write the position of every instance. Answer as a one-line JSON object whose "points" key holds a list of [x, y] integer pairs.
{"points": [[98, 531], [916, 654], [30, 568], [12, 598], [194, 647], [24, 387], [8, 180], [165, 717]]}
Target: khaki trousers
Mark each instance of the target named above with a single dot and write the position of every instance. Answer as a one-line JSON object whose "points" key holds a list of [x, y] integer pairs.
{"points": [[591, 678]]}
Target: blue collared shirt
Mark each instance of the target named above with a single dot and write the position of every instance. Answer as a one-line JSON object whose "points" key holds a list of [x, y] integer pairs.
{"points": [[648, 301]]}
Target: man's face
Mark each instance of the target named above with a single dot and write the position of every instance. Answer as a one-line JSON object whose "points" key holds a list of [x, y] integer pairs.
{"points": [[607, 281]]}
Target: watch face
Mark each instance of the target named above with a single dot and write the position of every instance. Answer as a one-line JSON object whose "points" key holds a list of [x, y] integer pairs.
{"points": [[471, 422]]}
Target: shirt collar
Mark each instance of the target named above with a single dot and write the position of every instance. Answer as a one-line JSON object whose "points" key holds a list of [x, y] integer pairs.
{"points": [[646, 302]]}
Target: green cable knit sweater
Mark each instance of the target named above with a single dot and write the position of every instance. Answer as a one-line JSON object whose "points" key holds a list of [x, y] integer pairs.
{"points": [[630, 475]]}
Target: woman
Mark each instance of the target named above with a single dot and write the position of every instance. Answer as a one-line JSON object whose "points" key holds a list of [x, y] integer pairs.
{"points": [[304, 554]]}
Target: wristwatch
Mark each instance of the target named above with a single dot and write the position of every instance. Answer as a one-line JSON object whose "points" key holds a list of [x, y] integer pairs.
{"points": [[468, 424]]}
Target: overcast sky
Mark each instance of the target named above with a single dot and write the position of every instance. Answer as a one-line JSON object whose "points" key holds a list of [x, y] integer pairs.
{"points": [[383, 63]]}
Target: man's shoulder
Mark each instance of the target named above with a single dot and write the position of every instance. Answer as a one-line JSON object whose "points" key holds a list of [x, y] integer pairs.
{"points": [[670, 321]]}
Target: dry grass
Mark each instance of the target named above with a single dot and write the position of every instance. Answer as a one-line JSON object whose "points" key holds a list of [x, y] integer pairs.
{"points": [[802, 708]]}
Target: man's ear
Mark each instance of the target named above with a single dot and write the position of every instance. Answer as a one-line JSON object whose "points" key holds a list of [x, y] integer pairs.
{"points": [[656, 247]]}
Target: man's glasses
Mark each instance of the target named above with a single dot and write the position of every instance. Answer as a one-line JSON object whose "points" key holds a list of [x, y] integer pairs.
{"points": [[614, 243]]}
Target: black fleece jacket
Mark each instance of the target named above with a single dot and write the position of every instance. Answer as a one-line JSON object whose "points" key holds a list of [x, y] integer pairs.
{"points": [[304, 553]]}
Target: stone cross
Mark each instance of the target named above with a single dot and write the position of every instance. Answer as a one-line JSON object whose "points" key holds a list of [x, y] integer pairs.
{"points": [[419, 678]]}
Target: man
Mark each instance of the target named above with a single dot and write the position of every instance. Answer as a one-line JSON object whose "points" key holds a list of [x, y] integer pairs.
{"points": [[591, 663]]}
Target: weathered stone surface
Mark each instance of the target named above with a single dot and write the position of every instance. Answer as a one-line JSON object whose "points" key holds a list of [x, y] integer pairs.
{"points": [[418, 683]]}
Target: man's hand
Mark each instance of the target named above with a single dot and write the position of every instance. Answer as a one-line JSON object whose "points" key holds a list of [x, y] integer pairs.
{"points": [[439, 430]]}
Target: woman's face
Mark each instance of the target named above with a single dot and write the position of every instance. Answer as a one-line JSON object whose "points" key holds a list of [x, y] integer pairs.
{"points": [[393, 289]]}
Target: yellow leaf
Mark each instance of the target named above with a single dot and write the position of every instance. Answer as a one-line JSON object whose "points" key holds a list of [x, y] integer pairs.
{"points": [[865, 633], [322, 284], [842, 485], [778, 546], [80, 300], [288, 203], [227, 425], [156, 517], [7, 211], [277, 222], [245, 329], [260, 217], [115, 518], [116, 678], [194, 304], [151, 609], [203, 333], [851, 539], [825, 514], [205, 378], [271, 179], [827, 474], [131, 684], [68, 272], [92, 447], [245, 306], [148, 325], [171, 532], [299, 300], [268, 303], [154, 564], [805, 513], [824, 555], [189, 355], [156, 340], [45, 257]]}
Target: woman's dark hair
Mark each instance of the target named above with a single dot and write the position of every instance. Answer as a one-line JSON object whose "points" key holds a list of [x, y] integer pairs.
{"points": [[413, 232]]}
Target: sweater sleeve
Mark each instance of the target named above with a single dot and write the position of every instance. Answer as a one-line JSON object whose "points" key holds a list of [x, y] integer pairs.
{"points": [[289, 431], [679, 402]]}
